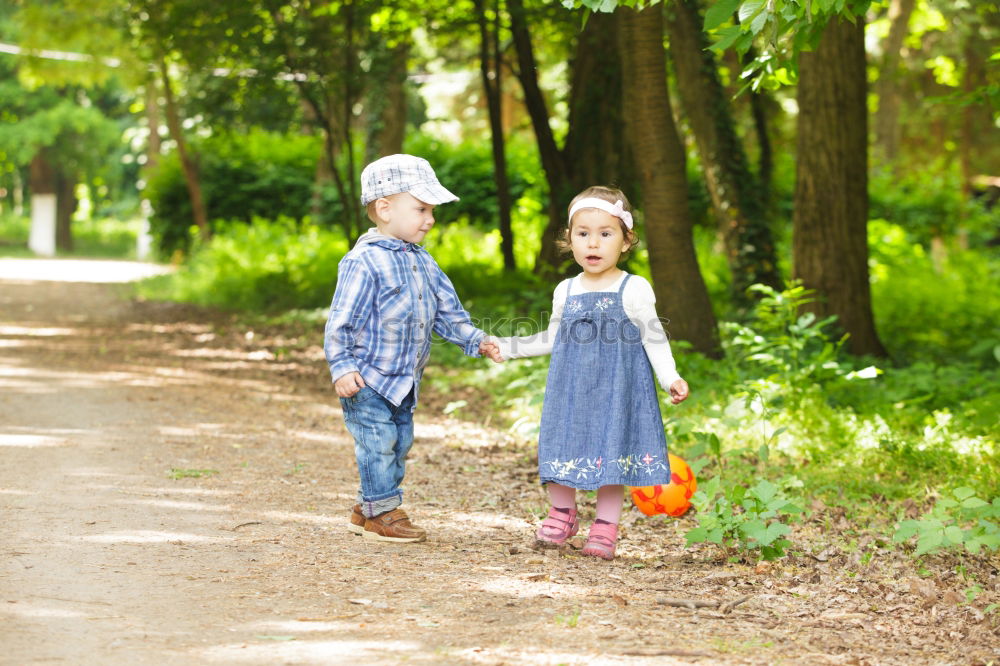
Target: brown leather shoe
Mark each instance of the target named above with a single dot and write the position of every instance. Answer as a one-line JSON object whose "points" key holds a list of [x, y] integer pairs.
{"points": [[357, 524], [393, 526]]}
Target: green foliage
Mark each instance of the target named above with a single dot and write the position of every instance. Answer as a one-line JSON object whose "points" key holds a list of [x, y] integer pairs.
{"points": [[782, 344], [178, 473], [105, 237], [743, 521], [929, 203], [260, 174], [960, 521], [467, 170], [941, 311], [263, 267], [92, 237], [781, 28]]}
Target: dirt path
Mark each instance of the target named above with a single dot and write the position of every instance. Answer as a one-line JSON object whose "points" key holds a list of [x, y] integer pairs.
{"points": [[118, 547]]}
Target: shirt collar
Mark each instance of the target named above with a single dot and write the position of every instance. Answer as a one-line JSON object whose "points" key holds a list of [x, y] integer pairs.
{"points": [[376, 237]]}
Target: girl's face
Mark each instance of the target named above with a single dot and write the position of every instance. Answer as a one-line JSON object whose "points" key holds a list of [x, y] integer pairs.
{"points": [[597, 241]]}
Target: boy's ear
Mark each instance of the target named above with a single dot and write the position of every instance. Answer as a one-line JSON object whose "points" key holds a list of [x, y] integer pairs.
{"points": [[382, 209]]}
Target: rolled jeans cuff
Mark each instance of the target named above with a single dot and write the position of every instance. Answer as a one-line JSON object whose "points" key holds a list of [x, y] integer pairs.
{"points": [[372, 508]]}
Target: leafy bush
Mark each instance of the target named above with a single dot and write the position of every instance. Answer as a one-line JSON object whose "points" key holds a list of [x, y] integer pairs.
{"points": [[264, 266], [939, 313], [779, 341], [960, 521], [260, 174], [742, 520], [467, 170], [929, 203]]}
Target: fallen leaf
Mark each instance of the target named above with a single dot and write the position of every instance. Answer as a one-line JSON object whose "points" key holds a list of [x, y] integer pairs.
{"points": [[952, 597]]}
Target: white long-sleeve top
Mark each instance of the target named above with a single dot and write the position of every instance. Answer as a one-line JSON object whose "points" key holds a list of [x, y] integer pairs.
{"points": [[640, 306]]}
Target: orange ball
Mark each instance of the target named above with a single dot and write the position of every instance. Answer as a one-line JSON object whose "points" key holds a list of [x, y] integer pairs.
{"points": [[672, 499]]}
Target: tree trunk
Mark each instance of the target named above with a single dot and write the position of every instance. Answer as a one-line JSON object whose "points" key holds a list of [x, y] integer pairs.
{"points": [[830, 243], [187, 163], [595, 151], [17, 193], [733, 189], [391, 121], [887, 130], [490, 68], [42, 181], [759, 103], [153, 143], [66, 203], [595, 147], [553, 162], [677, 282], [978, 127]]}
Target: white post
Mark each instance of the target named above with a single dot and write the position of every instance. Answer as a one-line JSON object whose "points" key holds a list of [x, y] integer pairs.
{"points": [[42, 239], [144, 241]]}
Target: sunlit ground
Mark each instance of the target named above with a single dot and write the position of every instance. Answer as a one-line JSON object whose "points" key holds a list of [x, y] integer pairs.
{"points": [[78, 270]]}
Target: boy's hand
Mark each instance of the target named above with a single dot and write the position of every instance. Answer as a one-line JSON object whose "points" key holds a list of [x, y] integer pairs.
{"points": [[349, 384], [489, 348], [679, 391]]}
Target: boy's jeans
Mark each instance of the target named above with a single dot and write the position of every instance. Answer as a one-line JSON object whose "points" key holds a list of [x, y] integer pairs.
{"points": [[383, 435]]}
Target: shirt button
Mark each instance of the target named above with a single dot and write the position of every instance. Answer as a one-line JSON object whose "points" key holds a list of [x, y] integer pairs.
{"points": [[420, 297], [421, 324], [414, 267]]}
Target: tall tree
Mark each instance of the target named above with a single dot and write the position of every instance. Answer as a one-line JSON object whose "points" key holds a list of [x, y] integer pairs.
{"points": [[594, 149], [887, 134], [677, 281], [735, 192], [830, 240], [60, 110], [490, 67], [387, 104]]}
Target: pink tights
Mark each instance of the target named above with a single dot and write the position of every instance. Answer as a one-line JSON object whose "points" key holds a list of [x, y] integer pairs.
{"points": [[609, 500]]}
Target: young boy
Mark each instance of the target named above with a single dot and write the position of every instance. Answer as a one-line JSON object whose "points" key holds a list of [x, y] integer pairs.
{"points": [[390, 295]]}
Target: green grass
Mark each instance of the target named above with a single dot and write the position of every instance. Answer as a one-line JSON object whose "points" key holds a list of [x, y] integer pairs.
{"points": [[103, 238], [176, 473]]}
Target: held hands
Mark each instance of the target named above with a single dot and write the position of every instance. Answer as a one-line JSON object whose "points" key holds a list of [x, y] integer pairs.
{"points": [[679, 391], [488, 347], [349, 384]]}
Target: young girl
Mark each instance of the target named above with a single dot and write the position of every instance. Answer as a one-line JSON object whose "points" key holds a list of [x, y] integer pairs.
{"points": [[601, 425]]}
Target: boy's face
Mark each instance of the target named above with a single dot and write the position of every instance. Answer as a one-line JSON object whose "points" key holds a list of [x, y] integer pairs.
{"points": [[405, 217]]}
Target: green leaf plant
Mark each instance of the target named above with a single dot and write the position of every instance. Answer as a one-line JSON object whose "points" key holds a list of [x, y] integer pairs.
{"points": [[961, 521], [744, 521]]}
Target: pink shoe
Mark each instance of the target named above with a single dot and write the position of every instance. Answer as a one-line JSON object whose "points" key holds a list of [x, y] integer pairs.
{"points": [[601, 541], [557, 527]]}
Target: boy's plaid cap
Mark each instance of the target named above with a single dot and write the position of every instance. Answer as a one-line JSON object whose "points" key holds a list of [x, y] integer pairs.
{"points": [[402, 173]]}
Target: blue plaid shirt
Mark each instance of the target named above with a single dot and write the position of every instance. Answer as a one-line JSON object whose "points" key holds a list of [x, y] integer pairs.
{"points": [[390, 296]]}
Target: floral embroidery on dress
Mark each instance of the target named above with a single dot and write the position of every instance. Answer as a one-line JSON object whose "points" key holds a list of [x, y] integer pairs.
{"points": [[574, 306], [578, 468], [604, 303], [589, 468]]}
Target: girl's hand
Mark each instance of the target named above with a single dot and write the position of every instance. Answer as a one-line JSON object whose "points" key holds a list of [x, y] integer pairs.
{"points": [[349, 384], [490, 349], [679, 391]]}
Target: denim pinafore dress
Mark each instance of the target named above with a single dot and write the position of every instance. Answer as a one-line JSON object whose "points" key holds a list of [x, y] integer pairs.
{"points": [[601, 422]]}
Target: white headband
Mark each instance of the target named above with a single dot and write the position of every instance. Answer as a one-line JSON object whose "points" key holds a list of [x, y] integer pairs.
{"points": [[615, 209]]}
